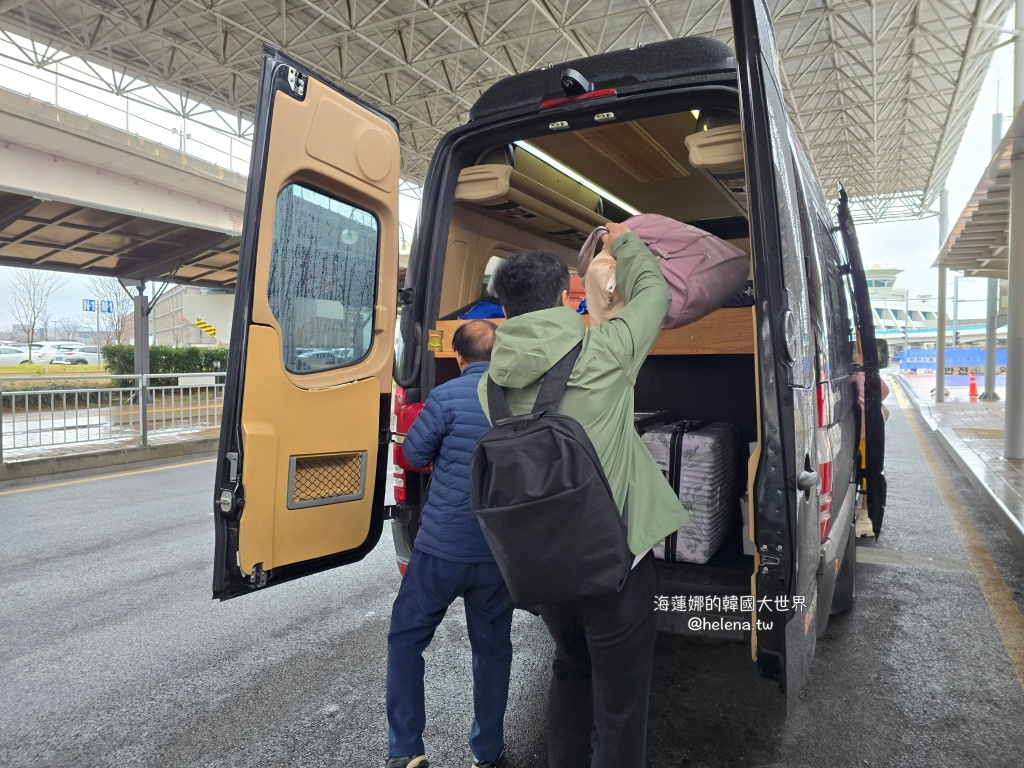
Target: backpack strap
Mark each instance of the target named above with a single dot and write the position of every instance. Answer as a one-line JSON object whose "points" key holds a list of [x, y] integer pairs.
{"points": [[551, 389], [555, 381], [497, 404]]}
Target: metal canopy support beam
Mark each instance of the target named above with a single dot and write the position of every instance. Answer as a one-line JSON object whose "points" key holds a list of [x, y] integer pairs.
{"points": [[940, 347], [1013, 441], [992, 307]]}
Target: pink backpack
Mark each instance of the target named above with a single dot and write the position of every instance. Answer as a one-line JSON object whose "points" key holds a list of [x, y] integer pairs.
{"points": [[702, 270]]}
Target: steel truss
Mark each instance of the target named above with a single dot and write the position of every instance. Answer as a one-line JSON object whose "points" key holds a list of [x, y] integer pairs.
{"points": [[880, 90]]}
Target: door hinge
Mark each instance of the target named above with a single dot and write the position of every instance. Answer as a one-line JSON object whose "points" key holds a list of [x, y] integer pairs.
{"points": [[232, 457], [385, 437], [258, 577], [405, 296]]}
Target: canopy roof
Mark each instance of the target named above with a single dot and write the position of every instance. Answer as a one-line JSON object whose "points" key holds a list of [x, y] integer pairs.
{"points": [[880, 91], [978, 243]]}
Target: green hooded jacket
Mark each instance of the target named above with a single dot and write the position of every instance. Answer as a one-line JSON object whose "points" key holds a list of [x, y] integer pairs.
{"points": [[600, 391]]}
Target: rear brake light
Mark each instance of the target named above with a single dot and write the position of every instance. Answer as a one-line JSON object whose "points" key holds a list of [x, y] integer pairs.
{"points": [[582, 97], [401, 568], [399, 399], [400, 497]]}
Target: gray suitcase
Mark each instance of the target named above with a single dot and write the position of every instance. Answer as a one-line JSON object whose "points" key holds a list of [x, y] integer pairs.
{"points": [[700, 460]]}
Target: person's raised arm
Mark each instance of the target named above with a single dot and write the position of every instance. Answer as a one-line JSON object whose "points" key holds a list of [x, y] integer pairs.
{"points": [[632, 332]]}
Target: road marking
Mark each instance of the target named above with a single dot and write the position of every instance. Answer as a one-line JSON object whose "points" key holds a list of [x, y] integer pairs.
{"points": [[875, 555], [104, 477], [1006, 613]]}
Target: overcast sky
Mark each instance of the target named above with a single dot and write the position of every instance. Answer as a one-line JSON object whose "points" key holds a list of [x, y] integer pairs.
{"points": [[911, 246]]}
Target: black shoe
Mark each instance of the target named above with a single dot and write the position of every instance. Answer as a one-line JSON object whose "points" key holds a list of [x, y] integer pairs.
{"points": [[489, 763], [407, 762]]}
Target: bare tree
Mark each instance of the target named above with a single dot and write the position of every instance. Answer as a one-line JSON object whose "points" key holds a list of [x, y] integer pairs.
{"points": [[31, 290], [116, 323], [67, 327]]}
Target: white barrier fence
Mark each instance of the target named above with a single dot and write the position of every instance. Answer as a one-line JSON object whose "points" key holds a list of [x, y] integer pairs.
{"points": [[113, 412]]}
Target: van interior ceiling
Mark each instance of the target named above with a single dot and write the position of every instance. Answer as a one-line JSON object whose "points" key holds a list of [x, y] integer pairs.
{"points": [[551, 191]]}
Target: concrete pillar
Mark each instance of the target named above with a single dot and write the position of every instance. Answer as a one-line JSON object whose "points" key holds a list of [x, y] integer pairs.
{"points": [[940, 331], [1013, 447], [992, 307], [991, 324]]}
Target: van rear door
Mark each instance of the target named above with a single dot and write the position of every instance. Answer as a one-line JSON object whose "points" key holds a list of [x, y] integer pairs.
{"points": [[788, 531], [874, 423], [302, 462]]}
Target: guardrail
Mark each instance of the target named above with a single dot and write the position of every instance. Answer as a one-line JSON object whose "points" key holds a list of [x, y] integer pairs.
{"points": [[128, 409]]}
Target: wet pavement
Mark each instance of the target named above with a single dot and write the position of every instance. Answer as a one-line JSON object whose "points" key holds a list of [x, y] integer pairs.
{"points": [[972, 430], [114, 654]]}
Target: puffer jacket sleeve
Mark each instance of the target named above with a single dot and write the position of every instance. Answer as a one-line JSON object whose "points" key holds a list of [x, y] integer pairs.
{"points": [[423, 442]]}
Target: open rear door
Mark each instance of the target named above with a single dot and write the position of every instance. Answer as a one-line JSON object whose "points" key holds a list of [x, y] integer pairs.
{"points": [[785, 498], [302, 462], [874, 423]]}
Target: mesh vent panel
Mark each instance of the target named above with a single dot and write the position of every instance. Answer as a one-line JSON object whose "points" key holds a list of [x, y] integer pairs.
{"points": [[326, 477]]}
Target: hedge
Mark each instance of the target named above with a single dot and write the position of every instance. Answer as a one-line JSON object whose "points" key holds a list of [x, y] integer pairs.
{"points": [[120, 360]]}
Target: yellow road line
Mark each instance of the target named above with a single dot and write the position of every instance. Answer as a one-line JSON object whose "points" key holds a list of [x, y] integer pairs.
{"points": [[104, 477], [1006, 613]]}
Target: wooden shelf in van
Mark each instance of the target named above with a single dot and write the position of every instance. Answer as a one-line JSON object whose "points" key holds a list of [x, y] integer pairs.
{"points": [[723, 332]]}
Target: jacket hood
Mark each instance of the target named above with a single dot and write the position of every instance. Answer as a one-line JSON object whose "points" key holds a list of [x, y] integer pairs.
{"points": [[526, 347]]}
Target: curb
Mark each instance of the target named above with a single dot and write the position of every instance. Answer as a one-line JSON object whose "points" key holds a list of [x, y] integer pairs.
{"points": [[33, 470], [958, 450]]}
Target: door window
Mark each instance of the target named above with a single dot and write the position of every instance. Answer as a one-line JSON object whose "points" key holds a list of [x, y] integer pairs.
{"points": [[323, 279]]}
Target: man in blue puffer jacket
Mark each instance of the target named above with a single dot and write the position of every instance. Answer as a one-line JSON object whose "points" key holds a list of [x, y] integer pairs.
{"points": [[450, 559]]}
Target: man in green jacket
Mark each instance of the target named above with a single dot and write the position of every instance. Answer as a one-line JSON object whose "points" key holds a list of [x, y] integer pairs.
{"points": [[604, 647]]}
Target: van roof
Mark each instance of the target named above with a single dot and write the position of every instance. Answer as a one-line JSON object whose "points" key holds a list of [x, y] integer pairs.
{"points": [[628, 70]]}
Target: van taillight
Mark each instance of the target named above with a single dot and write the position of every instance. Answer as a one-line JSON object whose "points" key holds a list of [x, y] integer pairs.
{"points": [[825, 459], [400, 496], [582, 97], [399, 399], [402, 568]]}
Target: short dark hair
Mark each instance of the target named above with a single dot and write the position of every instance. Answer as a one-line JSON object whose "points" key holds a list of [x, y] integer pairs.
{"points": [[530, 281], [474, 340]]}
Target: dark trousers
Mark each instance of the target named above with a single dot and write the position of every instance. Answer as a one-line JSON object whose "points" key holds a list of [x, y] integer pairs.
{"points": [[430, 585], [604, 656]]}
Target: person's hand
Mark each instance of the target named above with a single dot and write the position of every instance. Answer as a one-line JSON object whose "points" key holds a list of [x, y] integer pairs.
{"points": [[614, 230]]}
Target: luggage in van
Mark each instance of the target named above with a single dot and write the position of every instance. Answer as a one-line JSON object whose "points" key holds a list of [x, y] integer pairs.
{"points": [[646, 421], [702, 271], [700, 460]]}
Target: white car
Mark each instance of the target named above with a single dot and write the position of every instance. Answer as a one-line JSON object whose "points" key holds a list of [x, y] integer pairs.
{"points": [[42, 353], [80, 356], [13, 356]]}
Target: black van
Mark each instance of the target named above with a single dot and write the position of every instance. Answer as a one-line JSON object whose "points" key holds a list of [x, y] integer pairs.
{"points": [[687, 128]]}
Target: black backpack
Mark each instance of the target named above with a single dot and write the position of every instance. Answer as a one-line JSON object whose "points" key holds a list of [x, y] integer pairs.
{"points": [[543, 500]]}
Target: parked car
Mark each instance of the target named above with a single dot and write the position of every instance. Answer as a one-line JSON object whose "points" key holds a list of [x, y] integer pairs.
{"points": [[80, 356], [689, 128], [13, 356], [43, 353]]}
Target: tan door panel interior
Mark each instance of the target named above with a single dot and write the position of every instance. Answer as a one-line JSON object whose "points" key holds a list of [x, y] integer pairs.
{"points": [[473, 238]]}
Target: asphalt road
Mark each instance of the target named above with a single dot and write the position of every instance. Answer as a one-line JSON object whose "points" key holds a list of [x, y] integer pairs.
{"points": [[113, 653]]}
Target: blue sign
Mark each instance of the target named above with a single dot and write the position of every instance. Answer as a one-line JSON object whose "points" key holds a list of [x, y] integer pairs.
{"points": [[94, 305]]}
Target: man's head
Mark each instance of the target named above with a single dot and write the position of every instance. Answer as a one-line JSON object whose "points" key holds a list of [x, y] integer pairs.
{"points": [[473, 341], [531, 281]]}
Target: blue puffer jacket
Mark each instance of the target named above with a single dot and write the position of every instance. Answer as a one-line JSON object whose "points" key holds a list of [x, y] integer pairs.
{"points": [[445, 433]]}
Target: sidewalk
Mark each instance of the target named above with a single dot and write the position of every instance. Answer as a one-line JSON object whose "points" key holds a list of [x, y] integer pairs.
{"points": [[972, 433]]}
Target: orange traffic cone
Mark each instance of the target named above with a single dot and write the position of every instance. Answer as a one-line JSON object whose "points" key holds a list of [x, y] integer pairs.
{"points": [[973, 389]]}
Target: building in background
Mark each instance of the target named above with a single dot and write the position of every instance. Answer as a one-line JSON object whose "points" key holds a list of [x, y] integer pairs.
{"points": [[913, 320], [174, 317]]}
